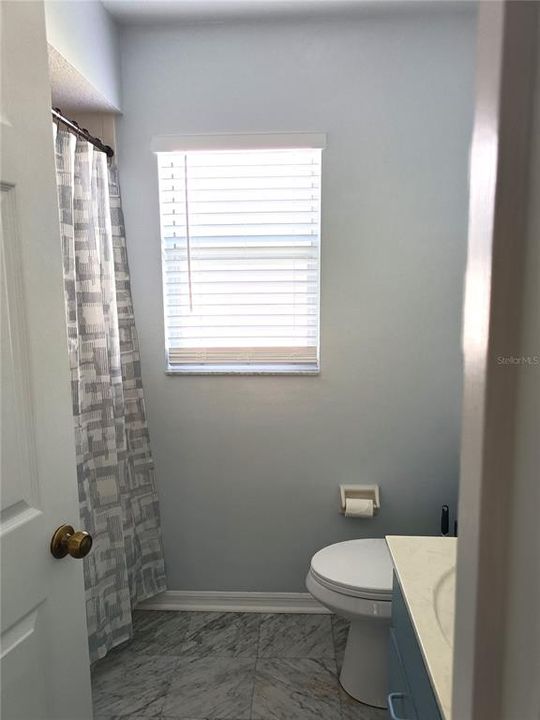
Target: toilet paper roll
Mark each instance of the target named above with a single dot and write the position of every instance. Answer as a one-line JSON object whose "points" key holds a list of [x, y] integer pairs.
{"points": [[358, 507]]}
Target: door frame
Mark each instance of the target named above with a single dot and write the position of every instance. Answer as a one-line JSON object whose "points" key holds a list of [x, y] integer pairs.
{"points": [[496, 307]]}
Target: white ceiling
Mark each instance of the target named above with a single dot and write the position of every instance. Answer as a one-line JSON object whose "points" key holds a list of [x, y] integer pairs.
{"points": [[152, 11]]}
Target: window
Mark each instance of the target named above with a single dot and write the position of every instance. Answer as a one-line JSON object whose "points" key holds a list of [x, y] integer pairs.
{"points": [[240, 232]]}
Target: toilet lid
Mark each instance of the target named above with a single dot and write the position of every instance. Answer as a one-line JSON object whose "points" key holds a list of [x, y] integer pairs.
{"points": [[359, 567]]}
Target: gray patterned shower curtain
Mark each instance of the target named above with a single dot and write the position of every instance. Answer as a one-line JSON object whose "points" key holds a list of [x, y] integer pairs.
{"points": [[117, 493]]}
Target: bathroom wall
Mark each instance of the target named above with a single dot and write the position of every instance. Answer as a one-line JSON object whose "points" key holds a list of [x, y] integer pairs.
{"points": [[249, 467], [86, 37]]}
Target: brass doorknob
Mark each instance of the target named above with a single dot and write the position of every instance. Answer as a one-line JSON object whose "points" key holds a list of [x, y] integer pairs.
{"points": [[66, 541]]}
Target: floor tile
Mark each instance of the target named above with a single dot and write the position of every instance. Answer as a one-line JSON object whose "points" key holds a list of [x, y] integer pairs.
{"points": [[157, 632], [209, 687], [152, 716], [296, 636], [146, 620], [296, 689], [131, 684], [340, 631], [119, 653], [220, 635], [351, 709]]}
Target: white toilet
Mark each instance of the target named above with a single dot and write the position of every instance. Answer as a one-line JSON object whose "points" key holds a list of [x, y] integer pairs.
{"points": [[354, 579]]}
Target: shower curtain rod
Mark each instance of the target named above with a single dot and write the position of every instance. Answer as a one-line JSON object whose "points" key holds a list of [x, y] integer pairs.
{"points": [[82, 132]]}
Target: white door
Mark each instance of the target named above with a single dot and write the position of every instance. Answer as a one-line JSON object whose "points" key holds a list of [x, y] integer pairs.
{"points": [[44, 653]]}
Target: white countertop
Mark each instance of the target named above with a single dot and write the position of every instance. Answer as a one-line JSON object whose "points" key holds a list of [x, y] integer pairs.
{"points": [[425, 567]]}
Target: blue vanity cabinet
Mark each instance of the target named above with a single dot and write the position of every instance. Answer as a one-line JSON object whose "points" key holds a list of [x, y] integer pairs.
{"points": [[411, 695]]}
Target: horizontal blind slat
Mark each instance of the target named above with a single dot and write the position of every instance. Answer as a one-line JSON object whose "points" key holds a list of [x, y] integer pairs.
{"points": [[253, 157], [221, 260], [223, 231], [274, 183], [243, 300], [172, 194], [231, 172], [233, 356], [256, 217], [235, 242]]}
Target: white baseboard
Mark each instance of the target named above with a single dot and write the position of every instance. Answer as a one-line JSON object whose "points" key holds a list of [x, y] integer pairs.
{"points": [[254, 602]]}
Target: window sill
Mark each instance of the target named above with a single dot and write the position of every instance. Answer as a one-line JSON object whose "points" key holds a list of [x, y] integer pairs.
{"points": [[243, 370]]}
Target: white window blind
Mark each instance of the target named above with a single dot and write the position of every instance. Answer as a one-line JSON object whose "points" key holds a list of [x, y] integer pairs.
{"points": [[240, 237]]}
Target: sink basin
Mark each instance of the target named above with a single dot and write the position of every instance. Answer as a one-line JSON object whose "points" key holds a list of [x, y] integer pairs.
{"points": [[444, 603]]}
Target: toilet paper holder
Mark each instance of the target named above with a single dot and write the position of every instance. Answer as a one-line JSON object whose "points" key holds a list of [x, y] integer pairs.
{"points": [[361, 492]]}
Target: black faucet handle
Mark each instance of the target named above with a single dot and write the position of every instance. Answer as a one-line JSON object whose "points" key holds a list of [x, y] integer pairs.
{"points": [[445, 520]]}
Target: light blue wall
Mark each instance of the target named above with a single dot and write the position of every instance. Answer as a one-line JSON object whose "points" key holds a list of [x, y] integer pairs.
{"points": [[249, 467], [84, 33]]}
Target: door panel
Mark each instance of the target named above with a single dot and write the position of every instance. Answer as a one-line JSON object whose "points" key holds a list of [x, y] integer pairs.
{"points": [[44, 650], [22, 523]]}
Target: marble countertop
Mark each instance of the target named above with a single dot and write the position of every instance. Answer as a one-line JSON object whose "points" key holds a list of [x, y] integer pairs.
{"points": [[425, 567]]}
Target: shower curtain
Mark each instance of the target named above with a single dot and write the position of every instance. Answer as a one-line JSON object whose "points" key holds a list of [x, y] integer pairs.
{"points": [[117, 493]]}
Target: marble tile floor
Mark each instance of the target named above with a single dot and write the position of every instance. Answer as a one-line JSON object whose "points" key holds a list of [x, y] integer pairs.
{"points": [[227, 666]]}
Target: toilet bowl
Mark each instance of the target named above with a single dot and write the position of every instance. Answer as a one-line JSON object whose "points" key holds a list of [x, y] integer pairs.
{"points": [[353, 579]]}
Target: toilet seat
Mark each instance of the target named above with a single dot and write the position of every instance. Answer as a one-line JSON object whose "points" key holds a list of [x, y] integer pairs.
{"points": [[359, 568]]}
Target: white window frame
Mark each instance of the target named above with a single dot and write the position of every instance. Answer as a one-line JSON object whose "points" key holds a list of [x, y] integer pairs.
{"points": [[229, 142]]}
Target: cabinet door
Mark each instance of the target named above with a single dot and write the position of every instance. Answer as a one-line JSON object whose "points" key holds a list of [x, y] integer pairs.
{"points": [[400, 702], [411, 659]]}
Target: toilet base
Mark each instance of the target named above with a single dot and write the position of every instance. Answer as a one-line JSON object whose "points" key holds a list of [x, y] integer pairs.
{"points": [[364, 674]]}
